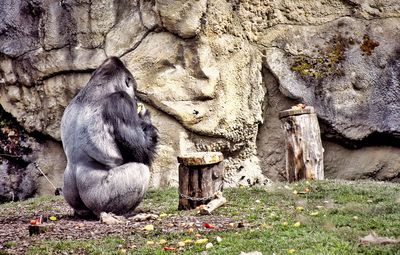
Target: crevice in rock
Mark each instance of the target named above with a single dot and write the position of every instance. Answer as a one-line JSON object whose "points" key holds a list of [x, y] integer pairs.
{"points": [[374, 139], [17, 151], [136, 44], [64, 72]]}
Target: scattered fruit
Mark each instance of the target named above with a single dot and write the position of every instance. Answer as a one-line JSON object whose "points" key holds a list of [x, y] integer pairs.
{"points": [[209, 246], [207, 225], [297, 224], [201, 241], [167, 248], [149, 227]]}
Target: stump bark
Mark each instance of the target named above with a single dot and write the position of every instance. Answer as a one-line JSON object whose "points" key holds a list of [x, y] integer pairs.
{"points": [[304, 152], [200, 178]]}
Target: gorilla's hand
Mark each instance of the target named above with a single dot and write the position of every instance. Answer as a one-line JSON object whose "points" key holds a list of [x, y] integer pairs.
{"points": [[143, 114]]}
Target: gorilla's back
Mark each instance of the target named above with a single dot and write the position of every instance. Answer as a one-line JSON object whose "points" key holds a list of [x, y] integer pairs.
{"points": [[86, 136]]}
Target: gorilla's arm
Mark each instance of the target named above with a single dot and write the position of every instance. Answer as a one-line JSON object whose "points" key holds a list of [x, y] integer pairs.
{"points": [[135, 136]]}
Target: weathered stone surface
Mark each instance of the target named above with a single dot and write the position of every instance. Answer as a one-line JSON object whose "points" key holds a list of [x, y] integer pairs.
{"points": [[214, 74], [182, 17], [378, 163], [348, 70]]}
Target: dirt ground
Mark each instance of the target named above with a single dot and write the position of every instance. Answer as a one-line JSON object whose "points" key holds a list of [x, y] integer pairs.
{"points": [[15, 220]]}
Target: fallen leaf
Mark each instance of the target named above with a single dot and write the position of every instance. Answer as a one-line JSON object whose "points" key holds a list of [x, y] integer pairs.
{"points": [[190, 230], [307, 190], [149, 227], [290, 251], [181, 244], [162, 241], [207, 225], [257, 201], [201, 241], [375, 239], [314, 213], [219, 239], [209, 246], [197, 235], [285, 223], [150, 242], [295, 192], [355, 218]]}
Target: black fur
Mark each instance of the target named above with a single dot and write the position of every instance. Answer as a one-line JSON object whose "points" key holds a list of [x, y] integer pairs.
{"points": [[134, 134]]}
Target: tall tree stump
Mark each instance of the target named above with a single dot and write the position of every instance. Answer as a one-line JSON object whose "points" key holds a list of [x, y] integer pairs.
{"points": [[200, 178], [304, 152]]}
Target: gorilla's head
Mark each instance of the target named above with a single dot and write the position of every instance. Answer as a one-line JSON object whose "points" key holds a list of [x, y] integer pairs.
{"points": [[111, 76]]}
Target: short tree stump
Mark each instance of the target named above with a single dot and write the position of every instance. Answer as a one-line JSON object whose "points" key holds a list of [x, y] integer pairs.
{"points": [[201, 176], [304, 152]]}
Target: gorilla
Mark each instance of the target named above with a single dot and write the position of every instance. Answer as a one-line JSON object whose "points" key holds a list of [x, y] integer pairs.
{"points": [[109, 143]]}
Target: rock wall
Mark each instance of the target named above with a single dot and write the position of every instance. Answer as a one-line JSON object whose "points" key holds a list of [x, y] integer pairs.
{"points": [[215, 74]]}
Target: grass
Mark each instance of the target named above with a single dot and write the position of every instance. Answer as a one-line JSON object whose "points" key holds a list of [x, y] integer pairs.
{"points": [[325, 217]]}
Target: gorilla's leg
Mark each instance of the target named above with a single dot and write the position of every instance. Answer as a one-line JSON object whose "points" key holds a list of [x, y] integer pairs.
{"points": [[71, 195], [118, 190]]}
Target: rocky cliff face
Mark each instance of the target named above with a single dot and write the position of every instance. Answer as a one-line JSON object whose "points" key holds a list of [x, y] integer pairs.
{"points": [[215, 74]]}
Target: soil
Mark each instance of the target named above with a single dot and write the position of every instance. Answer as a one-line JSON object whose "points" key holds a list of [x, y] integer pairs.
{"points": [[15, 220]]}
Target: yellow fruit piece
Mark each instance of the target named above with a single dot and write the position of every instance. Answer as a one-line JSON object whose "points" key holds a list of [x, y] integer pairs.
{"points": [[299, 208], [162, 215], [150, 242], [140, 106], [149, 227], [290, 251], [314, 213], [187, 241], [201, 241], [162, 241], [297, 224], [285, 223], [53, 218], [181, 244]]}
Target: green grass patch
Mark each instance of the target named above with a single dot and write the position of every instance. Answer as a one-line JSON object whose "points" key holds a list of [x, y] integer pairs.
{"points": [[324, 217]]}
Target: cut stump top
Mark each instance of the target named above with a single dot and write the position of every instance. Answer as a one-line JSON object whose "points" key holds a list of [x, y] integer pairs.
{"points": [[200, 158], [292, 112]]}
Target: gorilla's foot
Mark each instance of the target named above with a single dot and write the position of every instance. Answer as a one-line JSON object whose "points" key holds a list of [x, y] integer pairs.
{"points": [[85, 214]]}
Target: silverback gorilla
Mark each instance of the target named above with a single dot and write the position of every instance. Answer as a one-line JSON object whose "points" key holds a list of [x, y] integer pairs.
{"points": [[109, 144]]}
